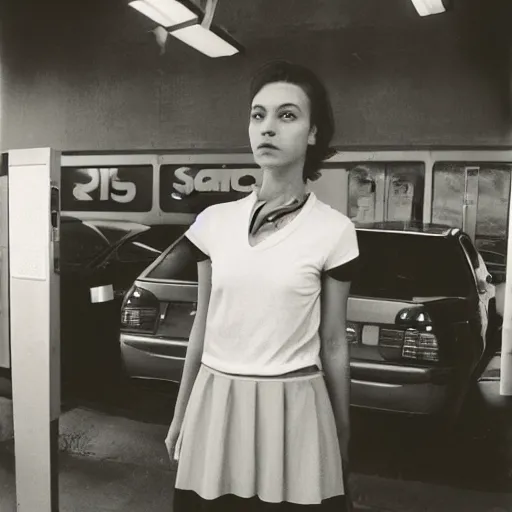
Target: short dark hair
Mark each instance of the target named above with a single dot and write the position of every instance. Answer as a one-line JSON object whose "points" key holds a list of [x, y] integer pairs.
{"points": [[321, 110]]}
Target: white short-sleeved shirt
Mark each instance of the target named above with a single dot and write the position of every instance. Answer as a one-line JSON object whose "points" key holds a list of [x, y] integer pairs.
{"points": [[264, 311]]}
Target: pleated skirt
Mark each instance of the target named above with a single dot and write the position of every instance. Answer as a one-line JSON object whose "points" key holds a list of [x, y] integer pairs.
{"points": [[258, 443]]}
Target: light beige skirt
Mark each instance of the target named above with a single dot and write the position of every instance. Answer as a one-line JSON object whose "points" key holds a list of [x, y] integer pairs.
{"points": [[270, 437]]}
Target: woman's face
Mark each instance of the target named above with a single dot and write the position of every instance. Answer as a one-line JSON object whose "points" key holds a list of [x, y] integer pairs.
{"points": [[280, 128]]}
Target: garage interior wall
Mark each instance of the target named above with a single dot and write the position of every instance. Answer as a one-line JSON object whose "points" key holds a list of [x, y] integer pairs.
{"points": [[88, 75]]}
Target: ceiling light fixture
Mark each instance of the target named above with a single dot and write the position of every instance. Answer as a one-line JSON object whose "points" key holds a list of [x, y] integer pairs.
{"points": [[167, 13], [429, 7], [186, 22], [207, 41]]}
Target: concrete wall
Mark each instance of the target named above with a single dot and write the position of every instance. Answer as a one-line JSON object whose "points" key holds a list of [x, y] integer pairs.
{"points": [[87, 76]]}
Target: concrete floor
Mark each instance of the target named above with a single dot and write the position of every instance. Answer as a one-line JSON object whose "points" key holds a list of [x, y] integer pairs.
{"points": [[91, 485], [88, 485], [114, 459], [109, 462]]}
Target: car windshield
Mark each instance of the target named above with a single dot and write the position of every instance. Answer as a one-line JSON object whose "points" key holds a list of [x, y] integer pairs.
{"points": [[148, 245], [407, 266]]}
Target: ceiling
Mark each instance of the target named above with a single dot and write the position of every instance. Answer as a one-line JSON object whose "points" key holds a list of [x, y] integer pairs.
{"points": [[254, 19], [276, 17], [251, 20]]}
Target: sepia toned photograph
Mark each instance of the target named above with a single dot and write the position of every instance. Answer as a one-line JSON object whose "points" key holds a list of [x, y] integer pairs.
{"points": [[254, 256]]}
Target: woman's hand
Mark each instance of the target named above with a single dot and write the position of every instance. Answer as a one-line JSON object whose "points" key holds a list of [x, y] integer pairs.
{"points": [[171, 440]]}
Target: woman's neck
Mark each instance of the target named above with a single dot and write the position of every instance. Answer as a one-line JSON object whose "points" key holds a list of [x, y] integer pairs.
{"points": [[281, 187]]}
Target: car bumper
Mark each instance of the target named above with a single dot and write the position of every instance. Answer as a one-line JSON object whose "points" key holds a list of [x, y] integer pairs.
{"points": [[403, 389], [146, 357], [411, 390]]}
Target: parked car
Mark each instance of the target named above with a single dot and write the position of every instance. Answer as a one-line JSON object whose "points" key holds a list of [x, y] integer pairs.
{"points": [[107, 254], [414, 324]]}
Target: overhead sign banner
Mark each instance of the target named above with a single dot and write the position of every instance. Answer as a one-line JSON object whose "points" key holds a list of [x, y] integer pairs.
{"points": [[127, 188], [192, 188]]}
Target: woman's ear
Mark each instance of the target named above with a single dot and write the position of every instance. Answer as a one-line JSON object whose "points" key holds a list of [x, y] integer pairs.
{"points": [[312, 136]]}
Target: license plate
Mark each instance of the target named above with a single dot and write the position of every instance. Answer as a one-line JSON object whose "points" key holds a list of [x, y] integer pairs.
{"points": [[370, 335]]}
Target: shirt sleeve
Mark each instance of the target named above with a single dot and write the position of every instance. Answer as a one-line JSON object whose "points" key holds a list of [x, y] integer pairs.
{"points": [[344, 248], [346, 272], [200, 232], [193, 251]]}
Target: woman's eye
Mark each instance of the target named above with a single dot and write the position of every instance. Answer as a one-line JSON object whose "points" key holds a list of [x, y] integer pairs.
{"points": [[288, 115], [256, 115]]}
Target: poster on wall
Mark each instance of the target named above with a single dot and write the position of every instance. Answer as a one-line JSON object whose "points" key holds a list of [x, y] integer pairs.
{"points": [[400, 199], [192, 188], [127, 188], [362, 195]]}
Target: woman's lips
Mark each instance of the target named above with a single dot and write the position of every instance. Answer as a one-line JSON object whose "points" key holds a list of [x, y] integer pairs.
{"points": [[267, 146]]}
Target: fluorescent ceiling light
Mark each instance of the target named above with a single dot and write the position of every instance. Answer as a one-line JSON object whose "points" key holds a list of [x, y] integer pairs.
{"points": [[164, 12], [186, 22], [428, 7], [206, 41]]}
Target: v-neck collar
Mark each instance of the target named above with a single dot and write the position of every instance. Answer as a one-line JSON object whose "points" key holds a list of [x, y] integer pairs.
{"points": [[289, 207], [274, 238]]}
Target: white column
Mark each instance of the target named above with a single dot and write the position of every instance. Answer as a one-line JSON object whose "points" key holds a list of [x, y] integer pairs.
{"points": [[506, 340], [35, 329], [5, 352]]}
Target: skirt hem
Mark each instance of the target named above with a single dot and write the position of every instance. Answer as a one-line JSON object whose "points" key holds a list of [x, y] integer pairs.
{"points": [[257, 497], [190, 501]]}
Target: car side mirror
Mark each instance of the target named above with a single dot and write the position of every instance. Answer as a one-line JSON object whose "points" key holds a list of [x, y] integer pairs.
{"points": [[482, 284]]}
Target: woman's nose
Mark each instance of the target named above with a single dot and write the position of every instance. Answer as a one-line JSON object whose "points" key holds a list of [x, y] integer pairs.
{"points": [[268, 128]]}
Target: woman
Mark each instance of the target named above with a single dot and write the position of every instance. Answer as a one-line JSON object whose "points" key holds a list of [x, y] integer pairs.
{"points": [[262, 415]]}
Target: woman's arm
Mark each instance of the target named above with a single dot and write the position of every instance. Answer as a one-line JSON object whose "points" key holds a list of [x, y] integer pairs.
{"points": [[335, 355], [195, 342]]}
